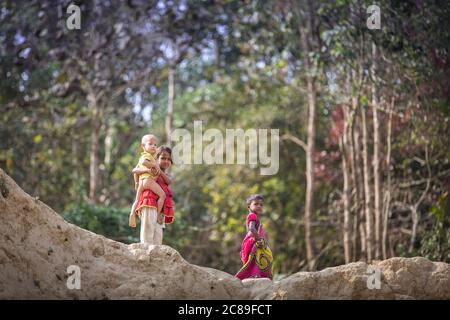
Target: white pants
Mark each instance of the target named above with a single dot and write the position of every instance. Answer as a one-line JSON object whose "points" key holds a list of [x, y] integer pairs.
{"points": [[151, 230]]}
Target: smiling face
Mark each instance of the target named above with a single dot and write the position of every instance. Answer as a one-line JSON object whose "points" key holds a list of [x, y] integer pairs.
{"points": [[164, 160], [256, 206]]}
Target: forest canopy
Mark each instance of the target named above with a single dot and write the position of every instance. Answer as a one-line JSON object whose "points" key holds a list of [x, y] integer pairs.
{"points": [[362, 113]]}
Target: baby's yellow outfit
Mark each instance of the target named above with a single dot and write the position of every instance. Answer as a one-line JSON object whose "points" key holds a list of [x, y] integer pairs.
{"points": [[150, 157]]}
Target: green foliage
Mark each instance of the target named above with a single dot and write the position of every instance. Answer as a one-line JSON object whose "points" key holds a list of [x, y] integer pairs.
{"points": [[248, 75], [112, 223], [435, 244], [108, 221]]}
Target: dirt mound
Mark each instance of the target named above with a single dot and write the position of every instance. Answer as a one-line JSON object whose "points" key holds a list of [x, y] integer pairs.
{"points": [[38, 248]]}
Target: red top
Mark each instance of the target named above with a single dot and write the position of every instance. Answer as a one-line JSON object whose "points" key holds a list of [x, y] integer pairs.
{"points": [[149, 199]]}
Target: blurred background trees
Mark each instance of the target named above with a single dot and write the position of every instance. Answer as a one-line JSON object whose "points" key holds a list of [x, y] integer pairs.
{"points": [[363, 118]]}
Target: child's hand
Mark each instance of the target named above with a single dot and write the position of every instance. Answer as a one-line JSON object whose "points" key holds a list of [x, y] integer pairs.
{"points": [[260, 242], [156, 171]]}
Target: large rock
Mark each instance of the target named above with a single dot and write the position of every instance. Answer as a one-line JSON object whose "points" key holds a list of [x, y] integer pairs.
{"points": [[37, 246]]}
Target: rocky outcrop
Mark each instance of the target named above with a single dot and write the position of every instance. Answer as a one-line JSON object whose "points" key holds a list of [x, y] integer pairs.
{"points": [[37, 246]]}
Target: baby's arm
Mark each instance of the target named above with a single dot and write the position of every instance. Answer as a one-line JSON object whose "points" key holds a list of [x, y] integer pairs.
{"points": [[138, 171]]}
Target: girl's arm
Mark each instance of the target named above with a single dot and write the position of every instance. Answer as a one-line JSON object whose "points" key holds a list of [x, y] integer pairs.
{"points": [[167, 177], [252, 229]]}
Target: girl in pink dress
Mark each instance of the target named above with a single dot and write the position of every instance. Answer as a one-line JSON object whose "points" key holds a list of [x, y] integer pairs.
{"points": [[256, 255]]}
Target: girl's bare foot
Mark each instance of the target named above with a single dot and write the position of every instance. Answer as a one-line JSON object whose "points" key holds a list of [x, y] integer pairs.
{"points": [[132, 220]]}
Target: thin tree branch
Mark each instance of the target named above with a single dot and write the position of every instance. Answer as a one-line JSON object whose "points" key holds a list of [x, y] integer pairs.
{"points": [[422, 181], [428, 179], [294, 139]]}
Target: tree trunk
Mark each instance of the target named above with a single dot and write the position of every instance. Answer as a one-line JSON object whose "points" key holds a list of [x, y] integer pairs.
{"points": [[108, 145], [387, 205], [309, 207], [357, 172], [415, 214], [355, 197], [367, 193], [346, 193], [109, 157], [355, 193], [169, 116], [376, 157], [415, 222], [306, 35], [93, 164]]}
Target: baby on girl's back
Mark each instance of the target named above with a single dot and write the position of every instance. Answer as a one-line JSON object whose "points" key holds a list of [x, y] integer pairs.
{"points": [[146, 174]]}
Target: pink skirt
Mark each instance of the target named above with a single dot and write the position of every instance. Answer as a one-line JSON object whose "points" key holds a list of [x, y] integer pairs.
{"points": [[256, 258]]}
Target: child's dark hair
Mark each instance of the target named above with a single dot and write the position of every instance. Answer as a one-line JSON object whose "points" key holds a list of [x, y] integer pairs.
{"points": [[254, 197], [162, 149]]}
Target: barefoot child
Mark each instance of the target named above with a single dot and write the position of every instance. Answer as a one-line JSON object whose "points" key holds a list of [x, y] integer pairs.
{"points": [[256, 255], [152, 224], [147, 180]]}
